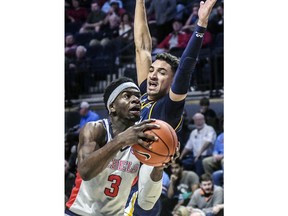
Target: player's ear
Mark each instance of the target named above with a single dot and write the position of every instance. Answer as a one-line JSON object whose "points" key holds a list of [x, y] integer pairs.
{"points": [[112, 108]]}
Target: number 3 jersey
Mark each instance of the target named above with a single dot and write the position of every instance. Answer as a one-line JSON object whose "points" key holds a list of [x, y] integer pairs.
{"points": [[107, 193]]}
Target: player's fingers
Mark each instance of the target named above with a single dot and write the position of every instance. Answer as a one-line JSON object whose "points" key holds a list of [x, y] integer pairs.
{"points": [[149, 137], [146, 121], [149, 126]]}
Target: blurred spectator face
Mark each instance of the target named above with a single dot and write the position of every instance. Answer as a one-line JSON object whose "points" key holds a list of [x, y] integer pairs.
{"points": [[176, 169], [125, 18], [69, 40], [204, 108], [115, 6], [94, 7], [199, 120], [75, 3], [207, 186], [83, 111], [195, 10], [177, 26], [80, 52]]}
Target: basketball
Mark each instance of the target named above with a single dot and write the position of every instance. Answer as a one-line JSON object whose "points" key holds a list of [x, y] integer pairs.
{"points": [[162, 149]]}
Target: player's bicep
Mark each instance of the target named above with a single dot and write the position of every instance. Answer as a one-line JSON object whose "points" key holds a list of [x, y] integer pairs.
{"points": [[87, 142]]}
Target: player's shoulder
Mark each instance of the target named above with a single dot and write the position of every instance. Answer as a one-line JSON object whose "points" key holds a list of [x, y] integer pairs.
{"points": [[94, 128]]}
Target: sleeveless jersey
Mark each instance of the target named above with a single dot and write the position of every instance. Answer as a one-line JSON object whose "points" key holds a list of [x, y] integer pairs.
{"points": [[107, 193]]}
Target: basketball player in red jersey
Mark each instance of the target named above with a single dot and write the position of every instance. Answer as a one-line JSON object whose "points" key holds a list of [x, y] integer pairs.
{"points": [[106, 165], [164, 83]]}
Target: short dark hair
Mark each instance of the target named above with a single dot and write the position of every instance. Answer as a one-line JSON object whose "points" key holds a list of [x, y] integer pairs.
{"points": [[112, 86], [204, 102], [206, 177], [178, 161], [172, 60]]}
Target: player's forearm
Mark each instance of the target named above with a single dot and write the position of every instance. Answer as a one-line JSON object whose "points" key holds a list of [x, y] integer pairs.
{"points": [[156, 174], [142, 37], [188, 62], [143, 42], [149, 190], [97, 161]]}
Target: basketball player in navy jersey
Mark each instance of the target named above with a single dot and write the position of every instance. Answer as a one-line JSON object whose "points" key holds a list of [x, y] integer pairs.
{"points": [[106, 164], [165, 82]]}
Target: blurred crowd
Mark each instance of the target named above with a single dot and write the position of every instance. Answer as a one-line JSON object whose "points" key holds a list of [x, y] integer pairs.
{"points": [[99, 41]]}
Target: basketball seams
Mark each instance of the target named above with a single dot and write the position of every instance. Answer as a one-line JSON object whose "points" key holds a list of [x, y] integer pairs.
{"points": [[167, 139], [149, 150]]}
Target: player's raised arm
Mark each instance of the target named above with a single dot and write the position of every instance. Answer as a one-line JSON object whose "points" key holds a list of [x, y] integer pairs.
{"points": [[143, 42], [189, 57]]}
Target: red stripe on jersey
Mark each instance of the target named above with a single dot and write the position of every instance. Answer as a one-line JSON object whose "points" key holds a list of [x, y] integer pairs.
{"points": [[74, 191], [135, 180]]}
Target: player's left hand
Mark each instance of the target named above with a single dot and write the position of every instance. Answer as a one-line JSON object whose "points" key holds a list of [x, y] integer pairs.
{"points": [[173, 158]]}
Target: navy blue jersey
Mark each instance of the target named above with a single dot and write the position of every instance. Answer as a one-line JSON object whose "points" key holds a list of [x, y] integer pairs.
{"points": [[164, 109]]}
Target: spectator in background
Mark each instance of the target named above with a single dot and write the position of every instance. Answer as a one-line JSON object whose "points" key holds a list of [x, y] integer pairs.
{"points": [[80, 74], [164, 11], [208, 198], [191, 23], [125, 39], [77, 14], [94, 20], [210, 114], [112, 21], [126, 26], [86, 114], [181, 211], [192, 19], [177, 38], [107, 5], [216, 21], [183, 183], [70, 46], [200, 143], [216, 161]]}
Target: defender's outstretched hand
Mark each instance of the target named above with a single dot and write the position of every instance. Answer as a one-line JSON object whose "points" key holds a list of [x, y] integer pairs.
{"points": [[204, 12]]}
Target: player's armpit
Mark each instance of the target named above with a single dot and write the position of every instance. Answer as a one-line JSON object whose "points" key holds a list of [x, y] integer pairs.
{"points": [[176, 97]]}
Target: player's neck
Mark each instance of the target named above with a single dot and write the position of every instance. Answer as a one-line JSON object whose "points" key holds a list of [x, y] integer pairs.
{"points": [[119, 125]]}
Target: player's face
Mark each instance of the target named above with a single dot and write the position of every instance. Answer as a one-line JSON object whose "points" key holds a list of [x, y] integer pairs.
{"points": [[159, 79], [127, 104], [207, 186]]}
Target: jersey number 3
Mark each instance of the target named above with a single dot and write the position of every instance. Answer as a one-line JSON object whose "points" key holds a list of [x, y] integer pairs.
{"points": [[116, 181]]}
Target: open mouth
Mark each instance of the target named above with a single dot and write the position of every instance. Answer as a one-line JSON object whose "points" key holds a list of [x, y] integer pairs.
{"points": [[152, 85], [135, 110]]}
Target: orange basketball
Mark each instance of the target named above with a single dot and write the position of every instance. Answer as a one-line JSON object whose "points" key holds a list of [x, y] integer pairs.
{"points": [[162, 149]]}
